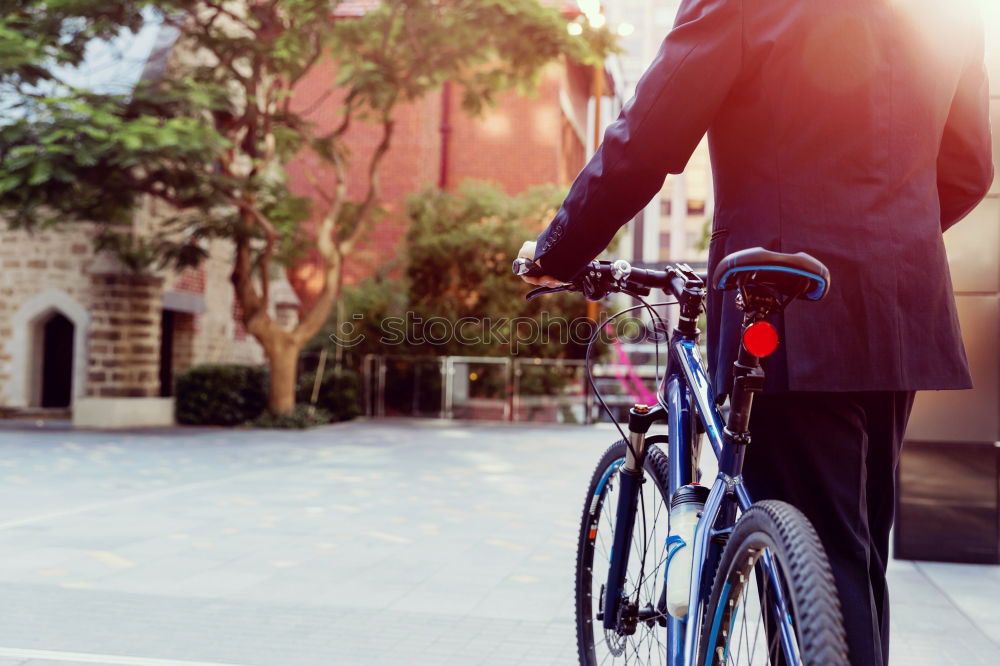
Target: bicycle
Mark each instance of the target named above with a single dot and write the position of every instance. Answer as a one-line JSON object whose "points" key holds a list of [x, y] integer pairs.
{"points": [[760, 579]]}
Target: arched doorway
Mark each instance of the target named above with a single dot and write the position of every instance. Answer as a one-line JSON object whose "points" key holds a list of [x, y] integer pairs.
{"points": [[56, 374], [48, 351]]}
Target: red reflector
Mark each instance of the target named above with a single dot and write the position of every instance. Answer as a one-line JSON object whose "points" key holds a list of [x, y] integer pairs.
{"points": [[760, 339]]}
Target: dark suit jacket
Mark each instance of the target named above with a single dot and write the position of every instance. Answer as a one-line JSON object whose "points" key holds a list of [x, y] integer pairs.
{"points": [[854, 130]]}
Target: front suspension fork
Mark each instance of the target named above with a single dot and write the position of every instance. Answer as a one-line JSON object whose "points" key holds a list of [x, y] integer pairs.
{"points": [[630, 479]]}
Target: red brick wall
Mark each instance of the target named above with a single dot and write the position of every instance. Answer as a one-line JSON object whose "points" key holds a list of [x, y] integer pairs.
{"points": [[192, 280], [515, 144], [411, 164], [523, 142], [183, 351]]}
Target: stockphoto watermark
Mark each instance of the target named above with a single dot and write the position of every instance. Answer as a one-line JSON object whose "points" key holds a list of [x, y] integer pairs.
{"points": [[510, 332]]}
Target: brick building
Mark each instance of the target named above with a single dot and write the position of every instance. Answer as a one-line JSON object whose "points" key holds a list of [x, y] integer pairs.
{"points": [[522, 142], [79, 333]]}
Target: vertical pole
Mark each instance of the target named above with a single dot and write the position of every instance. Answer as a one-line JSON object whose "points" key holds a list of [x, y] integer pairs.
{"points": [[338, 354], [598, 97], [678, 219], [442, 363], [380, 407], [416, 388], [318, 381], [445, 134], [515, 398], [366, 382], [449, 397], [508, 398]]}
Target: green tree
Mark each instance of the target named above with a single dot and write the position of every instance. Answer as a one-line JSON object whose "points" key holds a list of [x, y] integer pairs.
{"points": [[212, 138], [455, 266], [454, 276], [458, 257]]}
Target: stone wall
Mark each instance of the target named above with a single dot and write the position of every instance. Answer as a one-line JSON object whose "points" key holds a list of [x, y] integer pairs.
{"points": [[118, 316], [31, 265], [212, 337], [124, 336]]}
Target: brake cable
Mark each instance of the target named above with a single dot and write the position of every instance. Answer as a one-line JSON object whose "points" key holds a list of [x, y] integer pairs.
{"points": [[590, 374]]}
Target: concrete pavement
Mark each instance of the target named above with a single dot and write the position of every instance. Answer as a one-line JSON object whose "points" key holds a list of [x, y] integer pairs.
{"points": [[393, 542]]}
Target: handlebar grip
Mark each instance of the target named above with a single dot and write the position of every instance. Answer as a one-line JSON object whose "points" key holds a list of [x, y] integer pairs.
{"points": [[525, 266]]}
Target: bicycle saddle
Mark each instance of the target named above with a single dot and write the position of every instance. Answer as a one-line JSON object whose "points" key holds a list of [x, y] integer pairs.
{"points": [[774, 268]]}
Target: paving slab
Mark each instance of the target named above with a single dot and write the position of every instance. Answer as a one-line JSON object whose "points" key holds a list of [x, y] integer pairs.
{"points": [[373, 542]]}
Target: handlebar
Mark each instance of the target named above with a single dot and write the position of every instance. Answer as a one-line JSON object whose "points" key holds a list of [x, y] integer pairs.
{"points": [[601, 278]]}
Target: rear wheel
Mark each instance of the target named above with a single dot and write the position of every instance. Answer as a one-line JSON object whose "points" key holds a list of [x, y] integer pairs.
{"points": [[642, 638], [773, 567]]}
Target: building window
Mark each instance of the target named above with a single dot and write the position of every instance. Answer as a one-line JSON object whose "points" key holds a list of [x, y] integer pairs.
{"points": [[696, 206]]}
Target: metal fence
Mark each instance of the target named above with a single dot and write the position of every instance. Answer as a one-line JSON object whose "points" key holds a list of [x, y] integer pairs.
{"points": [[500, 389]]}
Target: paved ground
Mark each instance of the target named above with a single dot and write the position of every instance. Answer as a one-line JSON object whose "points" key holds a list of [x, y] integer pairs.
{"points": [[362, 544]]}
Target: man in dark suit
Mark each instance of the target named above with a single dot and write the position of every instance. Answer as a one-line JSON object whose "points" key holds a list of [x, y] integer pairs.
{"points": [[856, 131]]}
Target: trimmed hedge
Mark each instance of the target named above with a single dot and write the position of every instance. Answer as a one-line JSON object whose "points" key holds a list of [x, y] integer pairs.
{"points": [[229, 395], [221, 394]]}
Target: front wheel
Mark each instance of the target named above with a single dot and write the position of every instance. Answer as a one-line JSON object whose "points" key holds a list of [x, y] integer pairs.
{"points": [[641, 638], [774, 601]]}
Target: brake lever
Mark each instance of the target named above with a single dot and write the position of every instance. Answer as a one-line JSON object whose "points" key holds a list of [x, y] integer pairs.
{"points": [[541, 291], [637, 292]]}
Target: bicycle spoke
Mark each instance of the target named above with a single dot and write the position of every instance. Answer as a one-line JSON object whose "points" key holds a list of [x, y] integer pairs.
{"points": [[655, 540], [604, 547], [745, 632], [646, 645], [657, 569], [650, 576], [635, 648], [753, 602], [762, 600], [645, 547], [761, 577]]}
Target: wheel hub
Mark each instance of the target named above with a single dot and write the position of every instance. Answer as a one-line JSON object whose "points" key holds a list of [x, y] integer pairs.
{"points": [[628, 617]]}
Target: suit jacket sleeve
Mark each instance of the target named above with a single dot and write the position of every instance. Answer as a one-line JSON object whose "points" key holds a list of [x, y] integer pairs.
{"points": [[964, 165], [675, 101]]}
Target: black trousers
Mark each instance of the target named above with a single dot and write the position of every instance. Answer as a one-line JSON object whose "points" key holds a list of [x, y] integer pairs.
{"points": [[834, 456]]}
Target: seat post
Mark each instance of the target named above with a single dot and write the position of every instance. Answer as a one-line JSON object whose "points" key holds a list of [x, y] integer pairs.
{"points": [[748, 379]]}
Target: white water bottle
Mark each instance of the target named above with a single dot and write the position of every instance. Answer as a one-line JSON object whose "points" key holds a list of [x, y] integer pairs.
{"points": [[685, 510]]}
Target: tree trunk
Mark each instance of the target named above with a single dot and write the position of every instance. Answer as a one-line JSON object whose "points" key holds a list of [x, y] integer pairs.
{"points": [[283, 359], [281, 346]]}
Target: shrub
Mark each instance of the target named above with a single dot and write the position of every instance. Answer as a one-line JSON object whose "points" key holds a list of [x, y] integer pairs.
{"points": [[303, 416], [338, 393], [221, 394]]}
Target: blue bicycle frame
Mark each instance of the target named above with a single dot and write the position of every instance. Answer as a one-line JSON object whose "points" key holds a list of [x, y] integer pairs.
{"points": [[685, 396], [685, 400]]}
